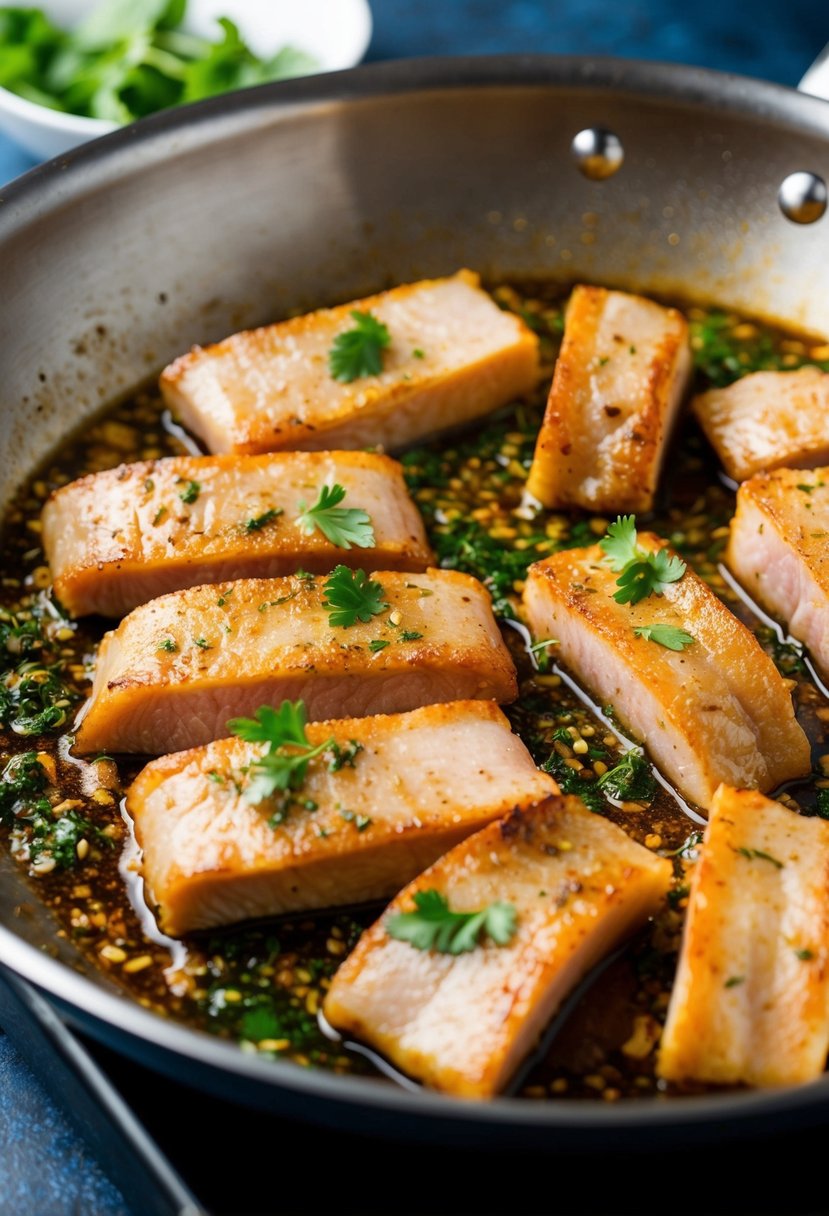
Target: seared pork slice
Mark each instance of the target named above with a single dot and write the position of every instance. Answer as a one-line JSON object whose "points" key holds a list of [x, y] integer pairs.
{"points": [[176, 669], [716, 710], [453, 356], [768, 420], [464, 1023], [618, 383], [750, 1004], [416, 784], [779, 553], [116, 539]]}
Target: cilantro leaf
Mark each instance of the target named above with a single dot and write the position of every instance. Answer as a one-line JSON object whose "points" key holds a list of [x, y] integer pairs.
{"points": [[359, 351], [351, 596], [284, 766], [640, 573], [619, 546], [631, 780], [434, 926], [668, 636], [343, 526]]}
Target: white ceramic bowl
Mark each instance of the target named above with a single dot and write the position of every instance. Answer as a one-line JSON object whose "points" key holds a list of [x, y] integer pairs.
{"points": [[335, 32]]}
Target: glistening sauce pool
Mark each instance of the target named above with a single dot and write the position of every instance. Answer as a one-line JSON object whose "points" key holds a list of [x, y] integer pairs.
{"points": [[263, 985]]}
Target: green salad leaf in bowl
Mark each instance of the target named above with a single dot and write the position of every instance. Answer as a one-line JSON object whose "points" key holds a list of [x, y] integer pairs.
{"points": [[129, 58]]}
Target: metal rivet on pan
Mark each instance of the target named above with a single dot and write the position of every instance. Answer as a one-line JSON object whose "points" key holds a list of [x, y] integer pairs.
{"points": [[802, 197], [597, 152]]}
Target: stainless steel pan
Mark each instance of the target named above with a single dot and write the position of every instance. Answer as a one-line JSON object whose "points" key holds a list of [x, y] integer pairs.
{"points": [[119, 255]]}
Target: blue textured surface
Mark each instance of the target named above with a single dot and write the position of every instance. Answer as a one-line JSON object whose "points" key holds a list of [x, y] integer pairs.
{"points": [[44, 1169]]}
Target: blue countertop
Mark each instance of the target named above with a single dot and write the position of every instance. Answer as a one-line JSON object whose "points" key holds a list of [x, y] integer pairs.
{"points": [[45, 1169]]}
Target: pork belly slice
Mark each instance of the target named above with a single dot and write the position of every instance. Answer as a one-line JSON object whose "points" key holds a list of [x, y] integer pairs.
{"points": [[750, 1004], [463, 1024], [778, 551], [116, 539], [618, 383], [420, 782], [768, 420], [716, 711], [176, 669], [454, 356]]}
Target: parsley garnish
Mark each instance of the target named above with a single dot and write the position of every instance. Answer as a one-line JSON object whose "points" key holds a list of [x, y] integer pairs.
{"points": [[202, 643], [378, 644], [433, 926], [805, 955], [640, 573], [359, 351], [410, 635], [159, 515], [190, 492], [351, 596], [668, 636], [734, 980], [759, 855], [343, 526], [169, 645], [631, 780], [284, 765], [261, 521]]}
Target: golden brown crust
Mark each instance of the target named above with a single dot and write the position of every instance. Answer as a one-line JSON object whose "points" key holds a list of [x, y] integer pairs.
{"points": [[605, 426]]}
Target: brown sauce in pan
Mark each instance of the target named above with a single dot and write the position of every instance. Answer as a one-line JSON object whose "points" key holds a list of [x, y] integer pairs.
{"points": [[263, 985]]}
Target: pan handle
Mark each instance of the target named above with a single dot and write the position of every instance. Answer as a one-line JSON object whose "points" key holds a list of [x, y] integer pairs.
{"points": [[816, 80]]}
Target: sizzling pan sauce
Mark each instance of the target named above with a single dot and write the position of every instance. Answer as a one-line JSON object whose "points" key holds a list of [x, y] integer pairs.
{"points": [[263, 985]]}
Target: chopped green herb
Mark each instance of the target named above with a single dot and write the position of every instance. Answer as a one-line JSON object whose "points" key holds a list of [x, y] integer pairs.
{"points": [[668, 636], [258, 522], [418, 353], [215, 776], [284, 766], [378, 644], [759, 855], [283, 599], [689, 845], [734, 980], [351, 596], [343, 526], [570, 782], [159, 515], [433, 926], [805, 955], [361, 822], [191, 492], [168, 645], [640, 573], [678, 893], [202, 643], [631, 780], [359, 351], [410, 635], [343, 756]]}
